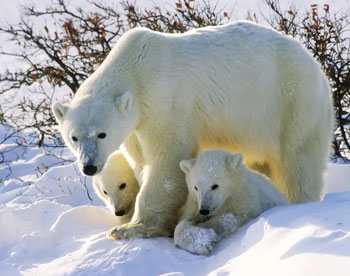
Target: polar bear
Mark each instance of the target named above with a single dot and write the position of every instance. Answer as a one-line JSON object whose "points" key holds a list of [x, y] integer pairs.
{"points": [[222, 195], [241, 87], [117, 186]]}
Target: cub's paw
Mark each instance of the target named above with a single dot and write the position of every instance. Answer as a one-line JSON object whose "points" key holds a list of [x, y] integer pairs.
{"points": [[194, 239]]}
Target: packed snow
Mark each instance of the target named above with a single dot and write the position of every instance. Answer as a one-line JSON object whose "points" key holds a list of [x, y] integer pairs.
{"points": [[54, 224]]}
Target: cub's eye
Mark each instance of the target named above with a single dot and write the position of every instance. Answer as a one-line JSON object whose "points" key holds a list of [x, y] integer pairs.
{"points": [[102, 135], [122, 186], [75, 139], [215, 186], [105, 192], [195, 187]]}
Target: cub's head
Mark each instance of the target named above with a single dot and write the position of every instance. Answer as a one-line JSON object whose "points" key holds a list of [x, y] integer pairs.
{"points": [[93, 127], [117, 185], [209, 178]]}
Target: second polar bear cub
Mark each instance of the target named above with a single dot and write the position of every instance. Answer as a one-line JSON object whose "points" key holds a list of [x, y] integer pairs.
{"points": [[222, 195], [117, 186]]}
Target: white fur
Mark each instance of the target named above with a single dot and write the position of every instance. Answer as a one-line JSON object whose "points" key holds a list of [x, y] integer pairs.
{"points": [[238, 196], [241, 87], [107, 184]]}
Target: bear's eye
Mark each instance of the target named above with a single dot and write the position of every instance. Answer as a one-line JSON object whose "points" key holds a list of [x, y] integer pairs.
{"points": [[215, 186], [122, 186], [102, 135], [105, 192], [75, 139], [195, 187]]}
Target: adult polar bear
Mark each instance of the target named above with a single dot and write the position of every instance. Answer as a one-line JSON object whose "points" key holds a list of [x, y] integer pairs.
{"points": [[241, 87]]}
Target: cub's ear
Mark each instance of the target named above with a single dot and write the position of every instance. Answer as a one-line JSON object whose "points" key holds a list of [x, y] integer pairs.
{"points": [[235, 161], [59, 110], [186, 165], [97, 186], [124, 102]]}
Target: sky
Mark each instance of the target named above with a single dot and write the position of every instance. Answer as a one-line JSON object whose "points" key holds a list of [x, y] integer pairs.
{"points": [[9, 10]]}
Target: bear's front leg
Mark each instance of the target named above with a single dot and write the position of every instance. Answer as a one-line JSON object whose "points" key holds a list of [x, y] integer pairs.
{"points": [[133, 230], [162, 193]]}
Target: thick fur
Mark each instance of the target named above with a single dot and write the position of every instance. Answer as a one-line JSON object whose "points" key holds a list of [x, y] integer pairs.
{"points": [[241, 87], [117, 186], [231, 194]]}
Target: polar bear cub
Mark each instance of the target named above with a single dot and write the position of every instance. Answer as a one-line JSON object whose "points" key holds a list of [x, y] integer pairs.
{"points": [[222, 195], [117, 186]]}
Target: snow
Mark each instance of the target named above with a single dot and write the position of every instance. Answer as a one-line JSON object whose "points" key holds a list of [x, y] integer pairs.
{"points": [[49, 226]]}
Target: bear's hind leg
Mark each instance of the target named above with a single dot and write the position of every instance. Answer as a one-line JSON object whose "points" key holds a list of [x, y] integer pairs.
{"points": [[298, 174]]}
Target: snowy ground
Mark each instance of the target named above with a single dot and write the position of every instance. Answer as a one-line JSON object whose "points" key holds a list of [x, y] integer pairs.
{"points": [[49, 226]]}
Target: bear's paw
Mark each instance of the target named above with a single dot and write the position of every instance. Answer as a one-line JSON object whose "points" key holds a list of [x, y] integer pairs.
{"points": [[136, 230], [194, 239]]}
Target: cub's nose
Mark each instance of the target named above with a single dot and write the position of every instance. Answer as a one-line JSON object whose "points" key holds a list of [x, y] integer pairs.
{"points": [[89, 170], [120, 213], [204, 212]]}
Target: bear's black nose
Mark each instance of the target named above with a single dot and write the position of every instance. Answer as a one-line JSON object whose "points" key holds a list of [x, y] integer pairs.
{"points": [[120, 213], [89, 170], [204, 212]]}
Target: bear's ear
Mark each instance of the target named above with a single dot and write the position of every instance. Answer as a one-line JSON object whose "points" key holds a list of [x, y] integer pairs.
{"points": [[124, 102], [186, 165], [235, 160], [97, 185], [59, 110]]}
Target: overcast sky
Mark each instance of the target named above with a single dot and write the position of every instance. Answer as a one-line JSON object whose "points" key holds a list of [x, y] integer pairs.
{"points": [[9, 9]]}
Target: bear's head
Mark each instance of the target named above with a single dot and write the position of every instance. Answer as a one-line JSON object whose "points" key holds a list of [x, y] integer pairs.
{"points": [[94, 127], [117, 185], [210, 178]]}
